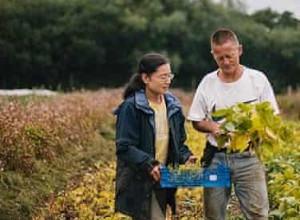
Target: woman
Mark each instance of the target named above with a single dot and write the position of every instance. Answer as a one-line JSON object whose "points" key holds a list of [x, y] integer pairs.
{"points": [[150, 132]]}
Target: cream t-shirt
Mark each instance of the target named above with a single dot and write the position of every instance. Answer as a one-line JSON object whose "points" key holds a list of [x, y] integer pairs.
{"points": [[161, 131]]}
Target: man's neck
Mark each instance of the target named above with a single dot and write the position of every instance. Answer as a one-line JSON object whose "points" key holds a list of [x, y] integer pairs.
{"points": [[231, 77]]}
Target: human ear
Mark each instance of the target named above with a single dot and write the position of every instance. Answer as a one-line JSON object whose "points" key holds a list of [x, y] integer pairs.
{"points": [[240, 50], [145, 78]]}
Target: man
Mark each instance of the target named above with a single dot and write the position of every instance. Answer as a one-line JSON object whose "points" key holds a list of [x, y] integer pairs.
{"points": [[223, 88]]}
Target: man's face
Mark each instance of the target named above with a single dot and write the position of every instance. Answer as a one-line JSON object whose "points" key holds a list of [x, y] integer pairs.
{"points": [[227, 56]]}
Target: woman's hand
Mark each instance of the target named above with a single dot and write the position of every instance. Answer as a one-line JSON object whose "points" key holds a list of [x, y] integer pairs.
{"points": [[191, 159], [155, 173]]}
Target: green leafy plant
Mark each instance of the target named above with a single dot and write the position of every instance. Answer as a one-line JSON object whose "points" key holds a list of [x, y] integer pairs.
{"points": [[251, 125]]}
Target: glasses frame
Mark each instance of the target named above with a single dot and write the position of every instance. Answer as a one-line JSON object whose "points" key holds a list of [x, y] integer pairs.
{"points": [[170, 76]]}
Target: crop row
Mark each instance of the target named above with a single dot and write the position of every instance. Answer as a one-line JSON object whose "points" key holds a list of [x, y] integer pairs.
{"points": [[43, 130]]}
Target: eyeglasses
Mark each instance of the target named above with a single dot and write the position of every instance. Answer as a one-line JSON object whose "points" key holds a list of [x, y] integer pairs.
{"points": [[166, 77]]}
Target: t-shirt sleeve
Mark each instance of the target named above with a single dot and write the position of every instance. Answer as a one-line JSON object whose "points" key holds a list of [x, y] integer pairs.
{"points": [[197, 111], [268, 95]]}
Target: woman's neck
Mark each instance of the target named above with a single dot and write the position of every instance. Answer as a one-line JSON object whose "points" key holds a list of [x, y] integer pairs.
{"points": [[154, 98]]}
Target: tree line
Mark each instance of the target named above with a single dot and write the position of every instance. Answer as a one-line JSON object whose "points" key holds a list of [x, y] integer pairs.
{"points": [[71, 44]]}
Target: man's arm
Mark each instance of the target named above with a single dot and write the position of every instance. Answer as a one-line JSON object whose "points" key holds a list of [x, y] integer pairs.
{"points": [[207, 127]]}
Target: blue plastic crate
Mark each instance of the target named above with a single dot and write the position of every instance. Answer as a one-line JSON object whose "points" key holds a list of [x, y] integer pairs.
{"points": [[206, 177]]}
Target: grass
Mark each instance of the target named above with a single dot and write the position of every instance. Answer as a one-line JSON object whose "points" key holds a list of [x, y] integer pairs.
{"points": [[24, 100]]}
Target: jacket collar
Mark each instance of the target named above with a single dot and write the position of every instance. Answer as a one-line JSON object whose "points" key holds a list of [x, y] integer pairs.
{"points": [[142, 103]]}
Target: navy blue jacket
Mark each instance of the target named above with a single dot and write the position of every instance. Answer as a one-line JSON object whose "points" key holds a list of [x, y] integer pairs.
{"points": [[135, 149]]}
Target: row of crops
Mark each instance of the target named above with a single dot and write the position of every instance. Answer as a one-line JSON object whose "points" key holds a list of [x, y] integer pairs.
{"points": [[35, 132], [94, 198]]}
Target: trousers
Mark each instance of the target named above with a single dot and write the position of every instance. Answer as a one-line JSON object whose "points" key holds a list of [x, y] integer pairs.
{"points": [[156, 212], [248, 179]]}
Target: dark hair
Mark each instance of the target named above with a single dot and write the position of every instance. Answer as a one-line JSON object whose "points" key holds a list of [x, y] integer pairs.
{"points": [[148, 64], [223, 35]]}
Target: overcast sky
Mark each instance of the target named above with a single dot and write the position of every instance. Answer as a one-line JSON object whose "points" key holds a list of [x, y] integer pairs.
{"points": [[276, 5]]}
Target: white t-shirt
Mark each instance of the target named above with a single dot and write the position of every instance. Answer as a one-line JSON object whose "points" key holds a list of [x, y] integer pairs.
{"points": [[213, 94]]}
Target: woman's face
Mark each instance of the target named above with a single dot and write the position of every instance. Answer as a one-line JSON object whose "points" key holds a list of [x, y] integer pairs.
{"points": [[159, 82]]}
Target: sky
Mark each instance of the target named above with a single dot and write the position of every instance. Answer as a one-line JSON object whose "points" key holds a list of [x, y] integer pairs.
{"points": [[276, 5]]}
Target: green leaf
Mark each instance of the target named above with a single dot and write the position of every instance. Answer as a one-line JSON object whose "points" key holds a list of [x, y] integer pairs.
{"points": [[248, 123], [222, 139], [223, 112], [229, 127], [239, 142]]}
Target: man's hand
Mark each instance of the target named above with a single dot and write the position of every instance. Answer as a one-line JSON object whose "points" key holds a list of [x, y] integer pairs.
{"points": [[208, 127], [215, 130]]}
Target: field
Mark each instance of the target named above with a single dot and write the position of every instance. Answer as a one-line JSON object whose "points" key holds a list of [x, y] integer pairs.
{"points": [[57, 159]]}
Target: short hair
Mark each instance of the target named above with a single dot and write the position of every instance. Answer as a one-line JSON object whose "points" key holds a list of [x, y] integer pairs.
{"points": [[222, 36]]}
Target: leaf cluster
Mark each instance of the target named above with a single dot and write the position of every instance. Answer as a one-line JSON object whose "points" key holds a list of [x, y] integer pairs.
{"points": [[251, 125], [284, 177]]}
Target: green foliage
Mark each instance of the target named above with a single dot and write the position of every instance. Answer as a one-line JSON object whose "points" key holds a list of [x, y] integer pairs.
{"points": [[47, 143], [284, 179], [254, 125], [23, 195], [39, 142], [279, 142], [44, 130], [74, 44], [290, 106], [107, 129], [273, 19], [93, 194]]}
